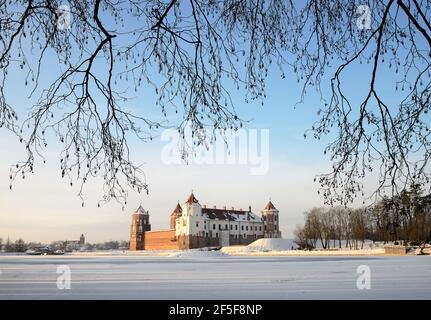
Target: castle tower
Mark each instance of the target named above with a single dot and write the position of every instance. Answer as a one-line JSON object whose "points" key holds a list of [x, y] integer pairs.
{"points": [[82, 240], [192, 207], [191, 222], [174, 216], [270, 221], [140, 224]]}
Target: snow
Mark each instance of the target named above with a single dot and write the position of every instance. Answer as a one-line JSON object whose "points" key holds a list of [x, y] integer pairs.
{"points": [[282, 247], [272, 244], [198, 274]]}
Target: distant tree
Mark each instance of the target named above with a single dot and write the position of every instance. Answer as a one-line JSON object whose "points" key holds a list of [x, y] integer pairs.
{"points": [[9, 247], [20, 245], [1, 244], [358, 225], [111, 245], [33, 244], [124, 244], [188, 50], [89, 247], [301, 238]]}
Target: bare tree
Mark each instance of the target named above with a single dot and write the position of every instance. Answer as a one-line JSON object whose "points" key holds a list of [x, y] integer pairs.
{"points": [[301, 238], [20, 245], [189, 51], [339, 225], [9, 247], [393, 137]]}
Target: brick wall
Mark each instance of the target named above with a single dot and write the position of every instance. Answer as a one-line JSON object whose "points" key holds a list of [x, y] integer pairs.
{"points": [[193, 242], [166, 240], [241, 241], [160, 240]]}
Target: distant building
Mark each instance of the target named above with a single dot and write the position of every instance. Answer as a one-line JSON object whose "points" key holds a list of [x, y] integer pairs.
{"points": [[69, 245], [194, 226], [82, 240]]}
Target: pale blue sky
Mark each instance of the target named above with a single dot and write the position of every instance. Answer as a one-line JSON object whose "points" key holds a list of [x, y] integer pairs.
{"points": [[44, 207]]}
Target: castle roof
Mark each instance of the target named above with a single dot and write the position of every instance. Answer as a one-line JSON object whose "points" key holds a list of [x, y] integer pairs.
{"points": [[270, 206], [231, 215], [141, 210], [192, 199], [177, 211]]}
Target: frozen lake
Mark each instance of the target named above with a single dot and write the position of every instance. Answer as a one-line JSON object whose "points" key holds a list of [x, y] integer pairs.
{"points": [[214, 276]]}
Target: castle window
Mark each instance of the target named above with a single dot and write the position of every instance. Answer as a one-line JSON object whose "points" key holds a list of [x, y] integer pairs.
{"points": [[231, 226], [246, 228], [255, 236], [206, 234], [219, 226], [214, 226], [244, 236], [236, 227], [225, 227], [242, 228], [255, 228], [216, 234], [260, 228], [197, 224]]}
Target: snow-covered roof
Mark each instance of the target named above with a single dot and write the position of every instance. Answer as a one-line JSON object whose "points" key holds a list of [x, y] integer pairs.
{"points": [[141, 210], [231, 215]]}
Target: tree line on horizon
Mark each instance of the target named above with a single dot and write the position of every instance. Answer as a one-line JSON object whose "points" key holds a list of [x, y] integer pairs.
{"points": [[403, 219], [21, 246]]}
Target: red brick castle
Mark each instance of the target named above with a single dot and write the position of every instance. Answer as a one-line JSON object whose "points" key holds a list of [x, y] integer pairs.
{"points": [[194, 226]]}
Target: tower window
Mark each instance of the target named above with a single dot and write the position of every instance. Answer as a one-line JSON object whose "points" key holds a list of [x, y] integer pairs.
{"points": [[236, 227], [231, 226], [197, 224], [214, 227], [216, 234], [242, 228], [246, 228], [260, 228], [225, 227]]}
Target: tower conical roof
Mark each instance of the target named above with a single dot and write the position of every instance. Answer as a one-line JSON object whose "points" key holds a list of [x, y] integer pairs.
{"points": [[269, 206], [141, 210], [192, 199], [177, 211]]}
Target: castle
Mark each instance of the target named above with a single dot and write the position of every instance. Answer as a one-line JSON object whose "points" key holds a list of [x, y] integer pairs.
{"points": [[196, 226]]}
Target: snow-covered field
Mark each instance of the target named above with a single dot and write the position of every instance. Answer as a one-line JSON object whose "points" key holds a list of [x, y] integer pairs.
{"points": [[214, 275], [283, 247]]}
